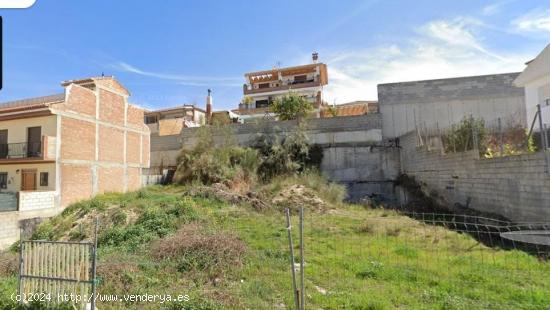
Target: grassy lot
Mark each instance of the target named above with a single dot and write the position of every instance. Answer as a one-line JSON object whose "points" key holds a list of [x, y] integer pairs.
{"points": [[233, 256]]}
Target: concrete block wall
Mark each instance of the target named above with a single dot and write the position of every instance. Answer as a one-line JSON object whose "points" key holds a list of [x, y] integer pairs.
{"points": [[516, 187], [9, 228], [324, 131], [444, 102], [36, 200]]}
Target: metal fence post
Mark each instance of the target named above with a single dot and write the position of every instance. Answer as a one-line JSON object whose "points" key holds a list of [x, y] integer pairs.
{"points": [[291, 246], [19, 279], [501, 137], [94, 257], [543, 140], [302, 277]]}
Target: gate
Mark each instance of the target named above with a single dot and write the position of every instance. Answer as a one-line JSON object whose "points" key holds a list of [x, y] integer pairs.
{"points": [[58, 271]]}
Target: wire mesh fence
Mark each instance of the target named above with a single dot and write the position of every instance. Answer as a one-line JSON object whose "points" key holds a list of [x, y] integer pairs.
{"points": [[493, 138], [354, 258], [425, 260]]}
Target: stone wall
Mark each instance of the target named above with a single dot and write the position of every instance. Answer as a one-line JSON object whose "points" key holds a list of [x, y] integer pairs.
{"points": [[516, 187]]}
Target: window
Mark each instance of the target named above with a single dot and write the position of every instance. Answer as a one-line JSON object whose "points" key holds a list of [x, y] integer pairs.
{"points": [[150, 119], [300, 78], [262, 103], [263, 85], [43, 179], [3, 180]]}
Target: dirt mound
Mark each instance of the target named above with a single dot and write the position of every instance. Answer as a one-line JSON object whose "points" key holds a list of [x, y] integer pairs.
{"points": [[223, 193], [296, 196]]}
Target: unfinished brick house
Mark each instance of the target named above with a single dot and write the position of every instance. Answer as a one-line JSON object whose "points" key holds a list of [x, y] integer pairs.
{"points": [[59, 149]]}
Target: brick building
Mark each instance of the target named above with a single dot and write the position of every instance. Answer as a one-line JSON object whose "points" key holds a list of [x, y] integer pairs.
{"points": [[58, 149]]}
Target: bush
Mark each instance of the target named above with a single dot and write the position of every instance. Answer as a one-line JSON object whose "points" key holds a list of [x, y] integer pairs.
{"points": [[209, 164], [460, 138], [195, 249], [286, 155]]}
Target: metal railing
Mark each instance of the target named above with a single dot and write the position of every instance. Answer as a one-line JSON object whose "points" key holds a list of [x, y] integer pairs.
{"points": [[21, 150]]}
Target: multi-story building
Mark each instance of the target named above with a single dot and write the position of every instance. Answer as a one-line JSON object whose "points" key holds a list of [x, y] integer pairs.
{"points": [[58, 149], [263, 87], [170, 121]]}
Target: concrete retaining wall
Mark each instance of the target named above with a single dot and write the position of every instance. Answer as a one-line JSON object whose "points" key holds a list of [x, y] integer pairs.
{"points": [[10, 222], [354, 153], [516, 187]]}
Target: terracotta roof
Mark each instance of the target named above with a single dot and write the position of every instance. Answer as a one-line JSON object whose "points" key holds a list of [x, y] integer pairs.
{"points": [[31, 103]]}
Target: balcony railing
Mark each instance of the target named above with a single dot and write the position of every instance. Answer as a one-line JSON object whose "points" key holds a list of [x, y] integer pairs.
{"points": [[247, 88], [21, 150]]}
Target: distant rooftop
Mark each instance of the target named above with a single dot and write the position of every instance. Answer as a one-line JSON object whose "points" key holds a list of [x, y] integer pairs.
{"points": [[178, 108], [32, 102]]}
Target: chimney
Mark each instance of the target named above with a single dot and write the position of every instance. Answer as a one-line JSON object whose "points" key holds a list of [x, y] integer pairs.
{"points": [[315, 57], [209, 107]]}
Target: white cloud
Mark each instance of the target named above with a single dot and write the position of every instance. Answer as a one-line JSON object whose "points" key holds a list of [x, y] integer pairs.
{"points": [[534, 21], [494, 8], [441, 49], [182, 79]]}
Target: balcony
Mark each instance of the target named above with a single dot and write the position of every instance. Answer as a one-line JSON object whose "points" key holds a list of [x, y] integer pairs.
{"points": [[248, 90], [28, 151]]}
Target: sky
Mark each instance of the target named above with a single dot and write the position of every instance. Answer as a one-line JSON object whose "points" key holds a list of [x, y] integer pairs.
{"points": [[169, 53]]}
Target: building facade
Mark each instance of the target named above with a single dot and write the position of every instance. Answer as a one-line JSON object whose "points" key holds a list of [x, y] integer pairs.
{"points": [[171, 121], [59, 149], [263, 87], [535, 80]]}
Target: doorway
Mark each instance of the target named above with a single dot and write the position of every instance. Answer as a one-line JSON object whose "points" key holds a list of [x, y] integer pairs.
{"points": [[4, 143], [28, 179], [34, 141]]}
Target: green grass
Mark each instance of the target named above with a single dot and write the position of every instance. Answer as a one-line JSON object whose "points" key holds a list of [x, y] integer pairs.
{"points": [[356, 258]]}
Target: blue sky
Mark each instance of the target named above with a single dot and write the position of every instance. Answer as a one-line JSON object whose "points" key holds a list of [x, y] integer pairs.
{"points": [[169, 52]]}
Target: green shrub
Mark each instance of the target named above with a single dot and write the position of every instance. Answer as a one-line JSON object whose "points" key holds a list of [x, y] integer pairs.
{"points": [[286, 154], [460, 138], [207, 164]]}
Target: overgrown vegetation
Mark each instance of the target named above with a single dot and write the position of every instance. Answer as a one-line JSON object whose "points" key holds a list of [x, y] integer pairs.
{"points": [[291, 106], [469, 134], [272, 154], [472, 133], [234, 257]]}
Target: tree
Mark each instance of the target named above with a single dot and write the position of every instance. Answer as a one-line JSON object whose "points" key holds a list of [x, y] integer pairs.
{"points": [[291, 106], [247, 100]]}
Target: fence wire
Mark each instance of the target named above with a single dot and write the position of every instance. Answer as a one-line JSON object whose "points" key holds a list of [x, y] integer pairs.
{"points": [[493, 138]]}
